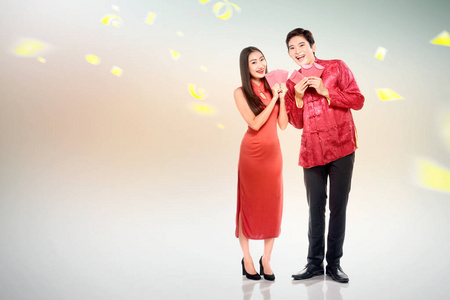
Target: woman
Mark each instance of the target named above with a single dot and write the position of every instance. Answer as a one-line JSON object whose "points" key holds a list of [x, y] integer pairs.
{"points": [[260, 185]]}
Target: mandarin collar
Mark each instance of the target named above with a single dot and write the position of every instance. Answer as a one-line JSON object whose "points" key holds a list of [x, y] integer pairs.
{"points": [[257, 86], [316, 61]]}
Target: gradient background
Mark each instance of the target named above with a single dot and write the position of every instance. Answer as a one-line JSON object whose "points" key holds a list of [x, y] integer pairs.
{"points": [[114, 188]]}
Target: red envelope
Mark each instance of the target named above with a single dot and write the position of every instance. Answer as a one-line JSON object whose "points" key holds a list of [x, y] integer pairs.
{"points": [[312, 70], [276, 76], [282, 76], [296, 76]]}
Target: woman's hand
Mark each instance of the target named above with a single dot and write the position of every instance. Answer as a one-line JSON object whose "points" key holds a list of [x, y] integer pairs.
{"points": [[276, 90], [283, 90]]}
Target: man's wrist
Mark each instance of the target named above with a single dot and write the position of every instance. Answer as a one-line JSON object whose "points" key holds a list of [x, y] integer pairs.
{"points": [[299, 101]]}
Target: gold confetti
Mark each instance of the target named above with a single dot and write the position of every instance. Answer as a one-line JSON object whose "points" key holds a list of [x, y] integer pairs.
{"points": [[150, 18], [204, 1], [29, 48], [380, 53], [117, 71], [92, 59], [113, 20], [198, 95], [179, 33], [221, 126], [203, 68], [228, 11], [203, 109], [175, 54], [442, 39], [388, 95], [433, 176], [42, 60]]}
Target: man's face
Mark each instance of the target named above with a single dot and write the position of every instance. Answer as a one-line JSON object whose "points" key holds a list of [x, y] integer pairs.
{"points": [[300, 51]]}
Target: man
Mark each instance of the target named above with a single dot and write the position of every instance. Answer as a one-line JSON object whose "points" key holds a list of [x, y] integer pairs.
{"points": [[321, 107]]}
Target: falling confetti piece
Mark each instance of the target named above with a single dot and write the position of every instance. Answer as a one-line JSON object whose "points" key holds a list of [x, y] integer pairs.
{"points": [[41, 59], [92, 59], [115, 7], [30, 48], [203, 109], [117, 71], [228, 11], [179, 33], [175, 54], [203, 68], [388, 95], [442, 39], [151, 18], [433, 176], [204, 1], [380, 53], [111, 20], [199, 95], [220, 126]]}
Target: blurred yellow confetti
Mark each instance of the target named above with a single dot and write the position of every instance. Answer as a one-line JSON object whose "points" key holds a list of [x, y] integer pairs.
{"points": [[203, 109], [442, 39], [199, 95], [111, 20], [29, 48], [204, 1], [228, 11], [179, 33], [203, 68], [41, 59], [388, 95], [92, 59], [433, 176], [380, 53], [150, 18], [117, 71], [175, 54], [220, 126], [115, 7]]}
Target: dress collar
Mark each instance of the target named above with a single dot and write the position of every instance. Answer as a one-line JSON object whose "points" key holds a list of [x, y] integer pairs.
{"points": [[258, 88]]}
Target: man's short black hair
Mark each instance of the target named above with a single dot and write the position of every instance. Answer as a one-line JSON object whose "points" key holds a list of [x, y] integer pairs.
{"points": [[300, 32]]}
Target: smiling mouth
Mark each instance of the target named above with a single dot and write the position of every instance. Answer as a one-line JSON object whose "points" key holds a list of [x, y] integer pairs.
{"points": [[300, 57], [260, 71]]}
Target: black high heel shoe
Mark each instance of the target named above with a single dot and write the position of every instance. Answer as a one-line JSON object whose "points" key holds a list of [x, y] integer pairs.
{"points": [[249, 276], [261, 270]]}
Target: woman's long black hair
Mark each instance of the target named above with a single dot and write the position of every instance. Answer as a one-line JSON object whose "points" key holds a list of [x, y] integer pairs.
{"points": [[255, 104]]}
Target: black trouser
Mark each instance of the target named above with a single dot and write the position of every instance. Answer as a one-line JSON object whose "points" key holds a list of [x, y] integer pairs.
{"points": [[340, 173]]}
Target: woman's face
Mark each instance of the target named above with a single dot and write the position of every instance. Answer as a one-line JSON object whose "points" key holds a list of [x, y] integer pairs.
{"points": [[300, 51], [257, 65]]}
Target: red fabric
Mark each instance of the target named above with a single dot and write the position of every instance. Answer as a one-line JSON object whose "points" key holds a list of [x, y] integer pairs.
{"points": [[260, 182], [329, 132]]}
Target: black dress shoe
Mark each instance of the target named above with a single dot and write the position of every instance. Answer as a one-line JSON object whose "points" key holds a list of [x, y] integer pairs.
{"points": [[270, 277], [337, 274], [249, 276], [309, 271]]}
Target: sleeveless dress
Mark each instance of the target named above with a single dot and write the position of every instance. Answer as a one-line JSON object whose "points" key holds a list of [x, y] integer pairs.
{"points": [[260, 182]]}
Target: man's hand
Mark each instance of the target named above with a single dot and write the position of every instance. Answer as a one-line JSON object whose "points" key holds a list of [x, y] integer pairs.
{"points": [[317, 83]]}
